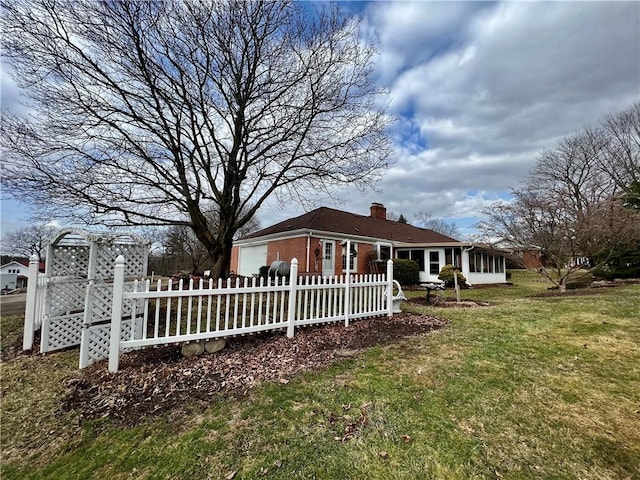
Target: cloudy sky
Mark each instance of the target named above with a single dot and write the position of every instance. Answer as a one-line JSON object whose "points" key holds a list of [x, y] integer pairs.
{"points": [[479, 89]]}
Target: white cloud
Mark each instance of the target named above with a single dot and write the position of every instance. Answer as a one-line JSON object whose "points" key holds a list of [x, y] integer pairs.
{"points": [[482, 88]]}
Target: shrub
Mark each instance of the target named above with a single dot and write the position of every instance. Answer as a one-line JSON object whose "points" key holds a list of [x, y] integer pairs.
{"points": [[446, 275], [263, 272], [609, 273], [406, 272], [579, 279]]}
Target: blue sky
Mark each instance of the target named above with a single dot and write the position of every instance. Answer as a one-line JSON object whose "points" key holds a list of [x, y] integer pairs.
{"points": [[479, 90]]}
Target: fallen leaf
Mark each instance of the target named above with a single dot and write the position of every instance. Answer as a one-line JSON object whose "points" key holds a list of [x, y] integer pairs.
{"points": [[383, 454], [231, 475], [406, 438]]}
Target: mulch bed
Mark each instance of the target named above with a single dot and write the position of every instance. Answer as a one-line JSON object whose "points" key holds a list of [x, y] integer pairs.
{"points": [[153, 381], [594, 288], [448, 302]]}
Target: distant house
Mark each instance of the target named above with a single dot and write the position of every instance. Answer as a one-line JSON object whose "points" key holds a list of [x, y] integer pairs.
{"points": [[19, 268], [530, 256], [317, 240]]}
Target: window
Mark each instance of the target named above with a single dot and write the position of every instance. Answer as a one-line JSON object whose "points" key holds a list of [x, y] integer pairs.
{"points": [[453, 256], [352, 257], [475, 262], [486, 263], [328, 250], [384, 252], [434, 263], [415, 255]]}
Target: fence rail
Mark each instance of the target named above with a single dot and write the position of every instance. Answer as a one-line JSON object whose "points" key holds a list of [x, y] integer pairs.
{"points": [[219, 309], [107, 318]]}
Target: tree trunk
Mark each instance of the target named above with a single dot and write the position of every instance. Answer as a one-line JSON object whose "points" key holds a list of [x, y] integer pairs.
{"points": [[221, 258]]}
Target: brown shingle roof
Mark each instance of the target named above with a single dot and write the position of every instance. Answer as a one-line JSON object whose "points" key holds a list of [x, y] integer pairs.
{"points": [[331, 220]]}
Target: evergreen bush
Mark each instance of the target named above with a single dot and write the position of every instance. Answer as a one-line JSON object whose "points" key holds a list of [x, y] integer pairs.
{"points": [[406, 272], [446, 275]]}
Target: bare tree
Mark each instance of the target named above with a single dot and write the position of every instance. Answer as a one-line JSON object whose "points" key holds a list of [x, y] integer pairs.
{"points": [[145, 111], [619, 137], [28, 241], [427, 220], [181, 244], [393, 216], [570, 207]]}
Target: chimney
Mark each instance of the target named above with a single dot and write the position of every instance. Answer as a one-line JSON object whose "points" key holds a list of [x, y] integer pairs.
{"points": [[378, 211]]}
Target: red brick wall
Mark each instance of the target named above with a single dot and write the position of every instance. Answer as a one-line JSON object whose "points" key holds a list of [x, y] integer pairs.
{"points": [[314, 243], [363, 255], [289, 249], [297, 248], [532, 258], [234, 259], [361, 260]]}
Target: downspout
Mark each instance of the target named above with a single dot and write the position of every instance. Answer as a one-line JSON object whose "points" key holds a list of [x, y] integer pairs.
{"points": [[308, 250], [467, 250]]}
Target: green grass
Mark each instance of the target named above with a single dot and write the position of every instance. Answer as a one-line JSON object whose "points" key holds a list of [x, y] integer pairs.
{"points": [[528, 387], [11, 328]]}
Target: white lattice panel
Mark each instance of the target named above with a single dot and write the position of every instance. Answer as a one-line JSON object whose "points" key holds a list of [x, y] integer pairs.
{"points": [[101, 301], [134, 254], [66, 296], [84, 257], [69, 260], [64, 332], [98, 340]]}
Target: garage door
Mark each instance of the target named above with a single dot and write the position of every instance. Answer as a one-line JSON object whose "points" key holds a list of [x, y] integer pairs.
{"points": [[250, 259]]}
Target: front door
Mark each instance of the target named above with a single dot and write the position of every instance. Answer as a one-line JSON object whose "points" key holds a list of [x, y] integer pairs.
{"points": [[328, 257]]}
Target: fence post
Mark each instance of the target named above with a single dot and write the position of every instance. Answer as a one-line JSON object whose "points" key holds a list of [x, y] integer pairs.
{"points": [[389, 288], [86, 324], [347, 281], [116, 314], [293, 288], [30, 309]]}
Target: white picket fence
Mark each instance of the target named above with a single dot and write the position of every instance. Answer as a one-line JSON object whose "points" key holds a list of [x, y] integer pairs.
{"points": [[107, 318], [208, 310]]}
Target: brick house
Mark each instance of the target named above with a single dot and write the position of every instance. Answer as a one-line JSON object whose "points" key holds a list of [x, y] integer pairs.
{"points": [[318, 240]]}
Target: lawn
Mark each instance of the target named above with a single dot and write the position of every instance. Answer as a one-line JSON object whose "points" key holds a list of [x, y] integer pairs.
{"points": [[528, 387]]}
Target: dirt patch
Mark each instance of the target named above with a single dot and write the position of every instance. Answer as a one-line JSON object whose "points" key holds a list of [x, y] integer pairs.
{"points": [[153, 381], [14, 349], [594, 288], [448, 302]]}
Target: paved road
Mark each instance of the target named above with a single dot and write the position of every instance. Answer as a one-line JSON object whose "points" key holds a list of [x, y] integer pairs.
{"points": [[13, 304]]}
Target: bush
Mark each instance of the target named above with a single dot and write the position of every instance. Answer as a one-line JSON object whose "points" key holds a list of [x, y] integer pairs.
{"points": [[446, 275], [609, 273], [579, 279], [406, 272]]}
